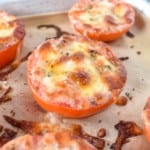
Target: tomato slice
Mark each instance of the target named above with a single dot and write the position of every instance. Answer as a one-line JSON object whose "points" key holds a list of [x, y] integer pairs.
{"points": [[50, 139], [146, 119], [104, 20], [74, 76], [12, 33]]}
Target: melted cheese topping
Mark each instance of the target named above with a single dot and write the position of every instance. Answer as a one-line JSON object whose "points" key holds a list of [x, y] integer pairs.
{"points": [[6, 29], [95, 14], [60, 72], [71, 74], [6, 32]]}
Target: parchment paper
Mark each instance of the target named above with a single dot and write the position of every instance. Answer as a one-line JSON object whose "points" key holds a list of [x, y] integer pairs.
{"points": [[138, 80]]}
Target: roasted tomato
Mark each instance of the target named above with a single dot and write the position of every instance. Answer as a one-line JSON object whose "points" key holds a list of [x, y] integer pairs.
{"points": [[74, 76], [104, 20], [11, 36], [49, 137], [146, 118]]}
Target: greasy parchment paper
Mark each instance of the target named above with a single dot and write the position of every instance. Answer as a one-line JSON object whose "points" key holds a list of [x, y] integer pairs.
{"points": [[138, 80]]}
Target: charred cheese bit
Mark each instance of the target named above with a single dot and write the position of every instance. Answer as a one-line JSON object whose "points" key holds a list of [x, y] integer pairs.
{"points": [[107, 11]]}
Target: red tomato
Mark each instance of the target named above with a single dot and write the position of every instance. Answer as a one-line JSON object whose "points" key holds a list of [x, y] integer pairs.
{"points": [[146, 119], [11, 36], [74, 76], [104, 20], [49, 137]]}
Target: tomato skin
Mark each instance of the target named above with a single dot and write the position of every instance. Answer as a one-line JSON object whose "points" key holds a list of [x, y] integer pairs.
{"points": [[8, 54], [98, 33], [146, 120], [147, 133], [11, 48], [67, 111]]}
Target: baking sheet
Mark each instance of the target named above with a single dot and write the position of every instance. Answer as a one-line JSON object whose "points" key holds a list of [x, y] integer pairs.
{"points": [[29, 8], [138, 82], [33, 7]]}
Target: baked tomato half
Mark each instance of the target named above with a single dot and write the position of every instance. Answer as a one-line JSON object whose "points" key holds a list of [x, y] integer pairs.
{"points": [[104, 20], [12, 33], [74, 76], [146, 119], [49, 137]]}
